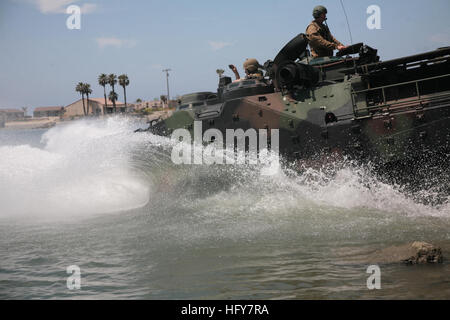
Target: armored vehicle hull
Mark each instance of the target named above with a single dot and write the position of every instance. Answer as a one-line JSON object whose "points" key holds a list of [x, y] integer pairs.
{"points": [[385, 112]]}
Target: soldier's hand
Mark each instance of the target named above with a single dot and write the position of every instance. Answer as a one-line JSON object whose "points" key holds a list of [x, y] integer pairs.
{"points": [[232, 67], [341, 47]]}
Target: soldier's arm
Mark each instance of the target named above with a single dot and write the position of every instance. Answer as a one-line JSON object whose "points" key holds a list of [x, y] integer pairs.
{"points": [[235, 71], [336, 41], [317, 40]]}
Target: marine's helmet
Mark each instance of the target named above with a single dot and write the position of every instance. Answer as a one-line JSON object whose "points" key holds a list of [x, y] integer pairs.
{"points": [[318, 10], [251, 65]]}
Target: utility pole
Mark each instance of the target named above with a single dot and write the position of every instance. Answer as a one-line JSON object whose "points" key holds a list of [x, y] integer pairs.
{"points": [[167, 80]]}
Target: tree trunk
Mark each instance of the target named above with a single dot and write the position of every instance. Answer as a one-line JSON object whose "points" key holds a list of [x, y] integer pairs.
{"points": [[84, 108], [87, 103], [105, 109], [114, 101], [125, 97]]}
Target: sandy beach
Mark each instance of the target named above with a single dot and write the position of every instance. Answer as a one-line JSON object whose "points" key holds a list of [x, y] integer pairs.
{"points": [[42, 123], [32, 123]]}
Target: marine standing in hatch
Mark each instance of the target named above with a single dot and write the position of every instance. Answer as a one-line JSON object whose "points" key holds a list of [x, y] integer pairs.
{"points": [[321, 41]]}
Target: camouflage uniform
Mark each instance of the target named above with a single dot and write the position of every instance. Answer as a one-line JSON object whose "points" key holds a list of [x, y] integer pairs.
{"points": [[257, 75], [251, 66], [321, 41]]}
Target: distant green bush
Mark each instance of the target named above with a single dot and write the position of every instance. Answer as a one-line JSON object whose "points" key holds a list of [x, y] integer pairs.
{"points": [[147, 111]]}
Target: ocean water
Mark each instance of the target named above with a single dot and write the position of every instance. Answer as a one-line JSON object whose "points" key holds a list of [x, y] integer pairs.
{"points": [[96, 195]]}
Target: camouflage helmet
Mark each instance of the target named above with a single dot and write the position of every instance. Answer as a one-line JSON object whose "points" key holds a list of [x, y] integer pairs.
{"points": [[318, 10], [251, 65]]}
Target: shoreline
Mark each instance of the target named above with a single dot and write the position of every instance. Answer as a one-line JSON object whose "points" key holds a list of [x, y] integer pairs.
{"points": [[45, 123], [31, 124]]}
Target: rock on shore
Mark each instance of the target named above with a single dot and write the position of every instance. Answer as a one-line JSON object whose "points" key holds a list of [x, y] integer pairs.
{"points": [[424, 253], [417, 252]]}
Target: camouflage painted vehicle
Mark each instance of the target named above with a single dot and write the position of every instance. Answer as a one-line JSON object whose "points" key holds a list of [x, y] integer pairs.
{"points": [[194, 100], [350, 104]]}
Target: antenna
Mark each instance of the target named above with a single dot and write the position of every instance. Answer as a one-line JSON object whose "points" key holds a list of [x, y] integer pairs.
{"points": [[350, 32], [348, 25]]}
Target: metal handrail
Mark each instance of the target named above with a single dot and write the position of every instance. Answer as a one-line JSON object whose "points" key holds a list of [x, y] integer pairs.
{"points": [[402, 83], [417, 97], [396, 105], [399, 103]]}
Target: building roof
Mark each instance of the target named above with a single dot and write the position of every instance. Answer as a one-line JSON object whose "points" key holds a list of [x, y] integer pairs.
{"points": [[150, 102], [102, 101], [11, 110], [43, 109]]}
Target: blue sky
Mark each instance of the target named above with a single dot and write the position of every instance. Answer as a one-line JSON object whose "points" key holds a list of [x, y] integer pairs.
{"points": [[42, 60]]}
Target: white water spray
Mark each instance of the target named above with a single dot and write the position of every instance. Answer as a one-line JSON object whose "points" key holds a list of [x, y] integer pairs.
{"points": [[83, 169]]}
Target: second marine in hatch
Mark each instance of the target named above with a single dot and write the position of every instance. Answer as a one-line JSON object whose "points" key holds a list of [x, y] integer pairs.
{"points": [[251, 68]]}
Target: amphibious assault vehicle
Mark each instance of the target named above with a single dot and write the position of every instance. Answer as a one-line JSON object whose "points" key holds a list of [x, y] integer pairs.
{"points": [[351, 104]]}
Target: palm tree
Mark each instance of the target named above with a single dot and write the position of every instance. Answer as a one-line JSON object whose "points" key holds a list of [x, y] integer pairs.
{"points": [[113, 97], [87, 91], [112, 80], [123, 81], [79, 88], [103, 81]]}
